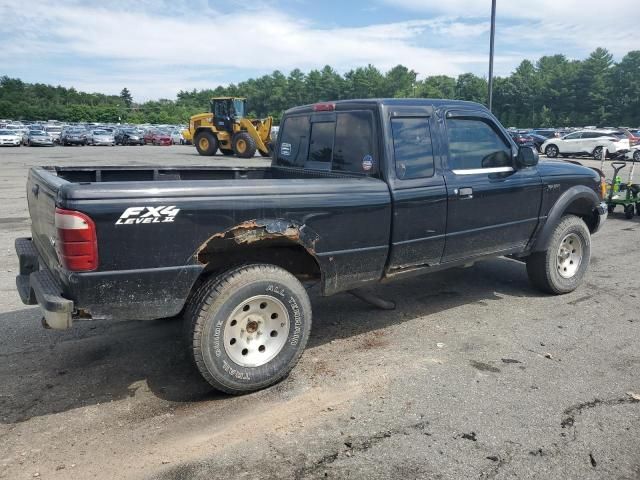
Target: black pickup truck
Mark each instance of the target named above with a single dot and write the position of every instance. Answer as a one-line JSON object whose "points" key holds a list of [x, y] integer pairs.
{"points": [[358, 192]]}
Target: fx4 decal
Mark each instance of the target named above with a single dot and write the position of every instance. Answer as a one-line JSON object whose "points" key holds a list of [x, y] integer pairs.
{"points": [[135, 215]]}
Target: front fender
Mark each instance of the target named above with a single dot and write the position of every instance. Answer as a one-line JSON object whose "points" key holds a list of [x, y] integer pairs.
{"points": [[578, 200]]}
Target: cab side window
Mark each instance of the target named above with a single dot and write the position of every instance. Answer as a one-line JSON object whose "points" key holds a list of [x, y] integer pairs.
{"points": [[412, 147], [294, 141], [474, 144]]}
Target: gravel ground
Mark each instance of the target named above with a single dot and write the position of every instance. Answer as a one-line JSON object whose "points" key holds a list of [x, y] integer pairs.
{"points": [[474, 375]]}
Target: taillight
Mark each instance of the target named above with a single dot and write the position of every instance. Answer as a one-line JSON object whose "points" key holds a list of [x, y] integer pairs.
{"points": [[77, 243]]}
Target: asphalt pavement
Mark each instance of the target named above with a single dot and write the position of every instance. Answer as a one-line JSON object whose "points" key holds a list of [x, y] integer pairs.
{"points": [[474, 375]]}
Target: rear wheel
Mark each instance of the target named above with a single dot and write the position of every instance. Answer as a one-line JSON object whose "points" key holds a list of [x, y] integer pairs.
{"points": [[248, 327], [551, 151], [243, 145], [267, 153], [206, 143], [561, 268], [636, 156], [628, 212]]}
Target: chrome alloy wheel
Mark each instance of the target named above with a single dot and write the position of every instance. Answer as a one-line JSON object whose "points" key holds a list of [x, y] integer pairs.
{"points": [[569, 255], [256, 331]]}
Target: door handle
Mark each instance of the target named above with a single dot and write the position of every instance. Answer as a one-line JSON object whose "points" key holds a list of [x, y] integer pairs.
{"points": [[466, 192]]}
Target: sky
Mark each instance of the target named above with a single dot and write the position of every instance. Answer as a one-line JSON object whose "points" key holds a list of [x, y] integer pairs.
{"points": [[157, 48]]}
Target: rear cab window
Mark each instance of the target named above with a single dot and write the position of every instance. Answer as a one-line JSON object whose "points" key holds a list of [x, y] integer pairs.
{"points": [[341, 141]]}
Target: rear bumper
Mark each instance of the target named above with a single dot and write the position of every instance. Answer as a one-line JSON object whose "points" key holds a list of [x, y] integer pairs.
{"points": [[142, 294], [39, 287]]}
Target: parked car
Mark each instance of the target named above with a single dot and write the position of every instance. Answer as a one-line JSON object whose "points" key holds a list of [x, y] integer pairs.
{"points": [[157, 137], [101, 137], [54, 131], [10, 138], [634, 154], [521, 138], [39, 138], [633, 136], [587, 142], [148, 135], [546, 132], [177, 138], [537, 140], [73, 137], [425, 185], [129, 136]]}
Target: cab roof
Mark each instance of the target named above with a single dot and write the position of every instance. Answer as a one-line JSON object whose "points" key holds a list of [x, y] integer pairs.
{"points": [[398, 102]]}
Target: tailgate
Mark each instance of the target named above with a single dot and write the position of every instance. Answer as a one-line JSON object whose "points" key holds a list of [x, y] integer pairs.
{"points": [[42, 190]]}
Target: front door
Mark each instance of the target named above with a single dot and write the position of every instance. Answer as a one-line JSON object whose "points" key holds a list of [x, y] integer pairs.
{"points": [[571, 143], [493, 207]]}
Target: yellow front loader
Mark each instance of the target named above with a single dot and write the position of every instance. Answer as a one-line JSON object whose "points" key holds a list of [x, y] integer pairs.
{"points": [[226, 128]]}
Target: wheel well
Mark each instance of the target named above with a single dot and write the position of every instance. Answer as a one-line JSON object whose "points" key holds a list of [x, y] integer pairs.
{"points": [[293, 258], [583, 208]]}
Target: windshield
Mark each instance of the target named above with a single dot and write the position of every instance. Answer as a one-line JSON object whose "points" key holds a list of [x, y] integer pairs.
{"points": [[38, 134], [238, 106], [53, 129], [6, 132], [100, 132]]}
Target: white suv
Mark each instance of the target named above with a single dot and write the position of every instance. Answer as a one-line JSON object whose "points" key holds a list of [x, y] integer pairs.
{"points": [[587, 142]]}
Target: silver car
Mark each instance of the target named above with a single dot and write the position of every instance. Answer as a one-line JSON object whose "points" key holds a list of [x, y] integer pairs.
{"points": [[101, 137], [39, 138]]}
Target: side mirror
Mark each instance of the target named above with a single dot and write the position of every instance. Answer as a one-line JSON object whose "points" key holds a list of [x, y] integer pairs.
{"points": [[527, 157]]}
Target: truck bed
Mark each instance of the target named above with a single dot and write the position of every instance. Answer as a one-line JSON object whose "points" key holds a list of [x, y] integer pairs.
{"points": [[88, 174], [343, 219]]}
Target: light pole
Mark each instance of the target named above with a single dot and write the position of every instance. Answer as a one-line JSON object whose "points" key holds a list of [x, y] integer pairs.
{"points": [[491, 42]]}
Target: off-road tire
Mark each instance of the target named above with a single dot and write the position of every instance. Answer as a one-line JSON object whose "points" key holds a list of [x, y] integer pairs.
{"points": [[206, 143], [542, 267], [268, 153], [249, 148], [227, 152], [551, 151], [208, 312], [629, 210]]}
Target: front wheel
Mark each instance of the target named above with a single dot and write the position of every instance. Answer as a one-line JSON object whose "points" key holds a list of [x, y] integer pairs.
{"points": [[597, 153], [248, 327], [561, 268], [206, 143], [636, 156], [551, 151]]}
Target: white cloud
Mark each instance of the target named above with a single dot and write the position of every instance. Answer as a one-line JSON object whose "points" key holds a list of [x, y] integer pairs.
{"points": [[184, 44], [546, 25], [158, 48]]}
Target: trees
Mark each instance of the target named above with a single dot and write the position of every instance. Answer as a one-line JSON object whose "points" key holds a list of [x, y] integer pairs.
{"points": [[553, 91], [126, 97]]}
